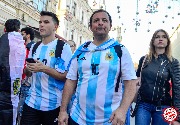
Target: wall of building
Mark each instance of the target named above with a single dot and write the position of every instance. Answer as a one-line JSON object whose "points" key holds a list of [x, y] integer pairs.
{"points": [[74, 18], [175, 39], [27, 11]]}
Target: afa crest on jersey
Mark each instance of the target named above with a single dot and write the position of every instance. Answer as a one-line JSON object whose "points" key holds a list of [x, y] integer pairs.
{"points": [[52, 53], [109, 56]]}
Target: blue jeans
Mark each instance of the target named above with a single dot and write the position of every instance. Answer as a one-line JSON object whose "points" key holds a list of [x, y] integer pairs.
{"points": [[147, 113]]}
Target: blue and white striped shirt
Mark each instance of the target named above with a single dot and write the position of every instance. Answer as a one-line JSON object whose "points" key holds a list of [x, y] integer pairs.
{"points": [[44, 94], [98, 70]]}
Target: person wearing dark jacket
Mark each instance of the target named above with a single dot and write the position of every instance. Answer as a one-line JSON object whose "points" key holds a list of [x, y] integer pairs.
{"points": [[154, 94], [12, 57], [28, 35]]}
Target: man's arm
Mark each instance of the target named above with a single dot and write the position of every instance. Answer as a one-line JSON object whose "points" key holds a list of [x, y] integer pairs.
{"points": [[40, 67], [119, 115], [68, 91], [54, 73], [129, 93], [27, 72]]}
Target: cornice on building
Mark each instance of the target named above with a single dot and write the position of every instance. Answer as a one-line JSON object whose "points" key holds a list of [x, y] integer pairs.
{"points": [[24, 7], [12, 3], [30, 11], [6, 9]]}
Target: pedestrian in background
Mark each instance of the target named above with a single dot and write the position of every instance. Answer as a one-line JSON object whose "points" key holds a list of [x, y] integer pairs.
{"points": [[12, 58], [72, 45], [28, 36]]}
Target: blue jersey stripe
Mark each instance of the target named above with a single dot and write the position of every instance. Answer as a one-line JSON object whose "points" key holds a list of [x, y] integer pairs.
{"points": [[92, 85], [110, 90], [38, 99], [80, 73]]}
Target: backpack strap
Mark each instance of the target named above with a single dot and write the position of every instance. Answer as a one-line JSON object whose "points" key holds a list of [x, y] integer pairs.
{"points": [[28, 46], [58, 51], [35, 47], [119, 54], [59, 48]]}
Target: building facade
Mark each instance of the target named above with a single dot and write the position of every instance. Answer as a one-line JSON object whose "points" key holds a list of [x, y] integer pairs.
{"points": [[27, 11], [175, 38], [74, 18]]}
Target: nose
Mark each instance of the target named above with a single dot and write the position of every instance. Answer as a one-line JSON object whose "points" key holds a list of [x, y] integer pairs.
{"points": [[41, 24], [161, 38], [100, 22]]}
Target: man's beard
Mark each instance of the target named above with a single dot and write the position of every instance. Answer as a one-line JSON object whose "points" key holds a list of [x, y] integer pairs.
{"points": [[100, 37]]}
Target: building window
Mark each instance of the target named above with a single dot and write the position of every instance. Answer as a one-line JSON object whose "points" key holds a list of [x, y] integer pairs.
{"points": [[72, 34], [82, 19], [74, 9], [40, 4], [80, 39]]}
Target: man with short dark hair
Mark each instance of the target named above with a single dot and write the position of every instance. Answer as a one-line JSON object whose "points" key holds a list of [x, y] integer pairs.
{"points": [[95, 71], [28, 36], [48, 73], [12, 58]]}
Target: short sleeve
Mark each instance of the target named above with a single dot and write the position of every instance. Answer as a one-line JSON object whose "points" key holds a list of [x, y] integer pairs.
{"points": [[127, 66], [73, 70], [62, 63]]}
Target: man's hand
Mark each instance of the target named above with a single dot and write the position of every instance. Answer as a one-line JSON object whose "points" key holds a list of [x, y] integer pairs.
{"points": [[36, 67], [118, 117], [63, 118]]}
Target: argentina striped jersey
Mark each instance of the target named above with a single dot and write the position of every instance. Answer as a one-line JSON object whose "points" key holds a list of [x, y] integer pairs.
{"points": [[44, 94], [98, 70]]}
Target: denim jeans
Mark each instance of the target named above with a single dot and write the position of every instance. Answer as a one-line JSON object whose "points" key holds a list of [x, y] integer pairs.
{"points": [[147, 113]]}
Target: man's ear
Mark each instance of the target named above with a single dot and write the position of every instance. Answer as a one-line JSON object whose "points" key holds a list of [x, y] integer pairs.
{"points": [[28, 35], [55, 27], [110, 26]]}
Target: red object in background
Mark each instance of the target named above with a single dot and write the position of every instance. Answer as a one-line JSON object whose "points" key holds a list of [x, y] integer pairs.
{"points": [[27, 53]]}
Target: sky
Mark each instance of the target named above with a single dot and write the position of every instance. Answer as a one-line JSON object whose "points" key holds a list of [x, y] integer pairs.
{"points": [[166, 17]]}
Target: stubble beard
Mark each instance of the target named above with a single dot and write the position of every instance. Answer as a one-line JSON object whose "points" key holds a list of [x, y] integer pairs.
{"points": [[100, 37]]}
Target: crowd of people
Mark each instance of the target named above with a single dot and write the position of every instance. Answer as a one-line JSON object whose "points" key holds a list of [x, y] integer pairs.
{"points": [[50, 82]]}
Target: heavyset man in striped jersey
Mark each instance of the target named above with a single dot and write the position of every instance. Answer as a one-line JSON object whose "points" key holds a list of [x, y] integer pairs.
{"points": [[94, 72]]}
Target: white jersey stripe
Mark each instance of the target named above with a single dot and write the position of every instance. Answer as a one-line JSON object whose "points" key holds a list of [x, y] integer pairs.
{"points": [[92, 85]]}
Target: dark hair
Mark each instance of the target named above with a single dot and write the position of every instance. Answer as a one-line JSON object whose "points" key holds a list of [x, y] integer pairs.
{"points": [[29, 31], [54, 16], [97, 11], [12, 25]]}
